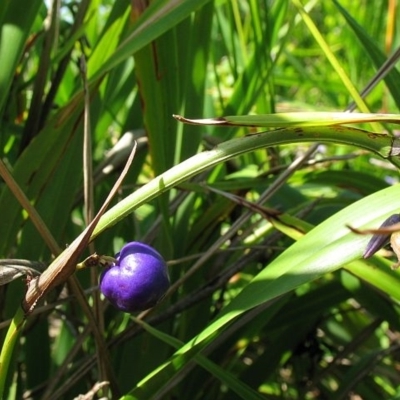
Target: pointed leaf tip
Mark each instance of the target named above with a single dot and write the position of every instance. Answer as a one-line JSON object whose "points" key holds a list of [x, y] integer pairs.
{"points": [[203, 121]]}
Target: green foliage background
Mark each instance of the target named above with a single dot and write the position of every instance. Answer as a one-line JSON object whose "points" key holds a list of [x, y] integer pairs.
{"points": [[261, 306]]}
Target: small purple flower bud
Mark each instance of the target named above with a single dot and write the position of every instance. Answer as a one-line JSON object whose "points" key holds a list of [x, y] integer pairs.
{"points": [[137, 280], [380, 240]]}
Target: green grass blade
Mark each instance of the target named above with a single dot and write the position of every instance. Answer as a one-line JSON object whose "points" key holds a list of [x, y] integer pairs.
{"points": [[331, 57], [377, 272], [323, 250], [156, 20], [224, 376], [378, 143], [10, 341], [301, 119], [18, 18], [377, 56]]}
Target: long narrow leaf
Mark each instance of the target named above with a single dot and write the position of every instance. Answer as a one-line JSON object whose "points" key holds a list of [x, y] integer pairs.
{"points": [[382, 144], [323, 250], [301, 119], [232, 382]]}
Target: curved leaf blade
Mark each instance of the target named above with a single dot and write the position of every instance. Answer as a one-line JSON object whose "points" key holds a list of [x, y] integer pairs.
{"points": [[323, 250]]}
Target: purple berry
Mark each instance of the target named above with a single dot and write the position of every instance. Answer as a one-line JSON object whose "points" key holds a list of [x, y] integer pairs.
{"points": [[137, 280]]}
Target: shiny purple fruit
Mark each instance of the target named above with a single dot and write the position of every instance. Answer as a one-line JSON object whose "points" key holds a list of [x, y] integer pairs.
{"points": [[137, 280]]}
